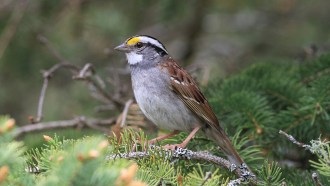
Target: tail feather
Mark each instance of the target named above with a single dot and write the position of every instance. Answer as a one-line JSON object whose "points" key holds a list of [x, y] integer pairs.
{"points": [[219, 136]]}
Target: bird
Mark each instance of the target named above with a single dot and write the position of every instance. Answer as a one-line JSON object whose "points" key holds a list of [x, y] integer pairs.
{"points": [[169, 97]]}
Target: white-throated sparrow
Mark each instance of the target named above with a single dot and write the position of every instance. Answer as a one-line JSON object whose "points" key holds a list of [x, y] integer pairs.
{"points": [[168, 95]]}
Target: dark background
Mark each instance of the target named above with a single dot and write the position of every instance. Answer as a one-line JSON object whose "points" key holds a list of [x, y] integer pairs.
{"points": [[218, 38]]}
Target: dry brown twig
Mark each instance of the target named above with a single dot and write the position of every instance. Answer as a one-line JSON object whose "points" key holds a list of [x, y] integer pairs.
{"points": [[125, 118], [75, 122], [125, 111], [97, 86], [84, 74], [47, 75]]}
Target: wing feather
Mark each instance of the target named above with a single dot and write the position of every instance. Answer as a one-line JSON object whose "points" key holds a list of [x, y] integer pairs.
{"points": [[186, 88]]}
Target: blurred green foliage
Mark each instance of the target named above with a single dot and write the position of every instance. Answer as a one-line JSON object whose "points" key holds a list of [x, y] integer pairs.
{"points": [[224, 34]]}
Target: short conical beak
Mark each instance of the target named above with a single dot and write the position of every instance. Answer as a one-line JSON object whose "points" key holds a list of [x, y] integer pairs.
{"points": [[123, 48]]}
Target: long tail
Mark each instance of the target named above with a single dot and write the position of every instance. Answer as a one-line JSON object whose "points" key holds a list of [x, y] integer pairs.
{"points": [[219, 136]]}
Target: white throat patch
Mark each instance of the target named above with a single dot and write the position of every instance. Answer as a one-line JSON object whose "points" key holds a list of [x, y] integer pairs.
{"points": [[133, 58]]}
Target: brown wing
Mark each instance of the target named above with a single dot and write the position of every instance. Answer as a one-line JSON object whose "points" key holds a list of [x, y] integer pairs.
{"points": [[186, 88]]}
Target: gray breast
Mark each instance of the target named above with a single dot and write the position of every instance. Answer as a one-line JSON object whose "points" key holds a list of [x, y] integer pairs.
{"points": [[158, 102]]}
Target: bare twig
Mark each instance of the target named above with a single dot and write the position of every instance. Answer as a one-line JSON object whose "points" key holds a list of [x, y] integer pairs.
{"points": [[85, 72], [293, 140], [316, 147], [94, 125], [125, 111], [83, 75], [47, 75], [78, 121], [41, 102]]}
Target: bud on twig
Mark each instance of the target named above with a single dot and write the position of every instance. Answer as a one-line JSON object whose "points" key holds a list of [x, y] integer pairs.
{"points": [[47, 138], [4, 170], [9, 124]]}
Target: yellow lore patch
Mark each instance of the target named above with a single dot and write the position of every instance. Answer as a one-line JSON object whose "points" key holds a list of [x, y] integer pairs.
{"points": [[133, 41]]}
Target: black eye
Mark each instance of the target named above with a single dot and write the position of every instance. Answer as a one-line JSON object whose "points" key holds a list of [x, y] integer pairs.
{"points": [[139, 45]]}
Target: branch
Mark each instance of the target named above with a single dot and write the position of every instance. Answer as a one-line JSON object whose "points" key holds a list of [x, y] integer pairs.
{"points": [[84, 74], [124, 113], [179, 153], [316, 147], [293, 140], [76, 122], [47, 75]]}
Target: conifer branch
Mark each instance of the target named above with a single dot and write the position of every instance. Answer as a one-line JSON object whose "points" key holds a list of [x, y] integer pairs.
{"points": [[323, 72], [293, 140], [316, 146], [183, 154]]}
